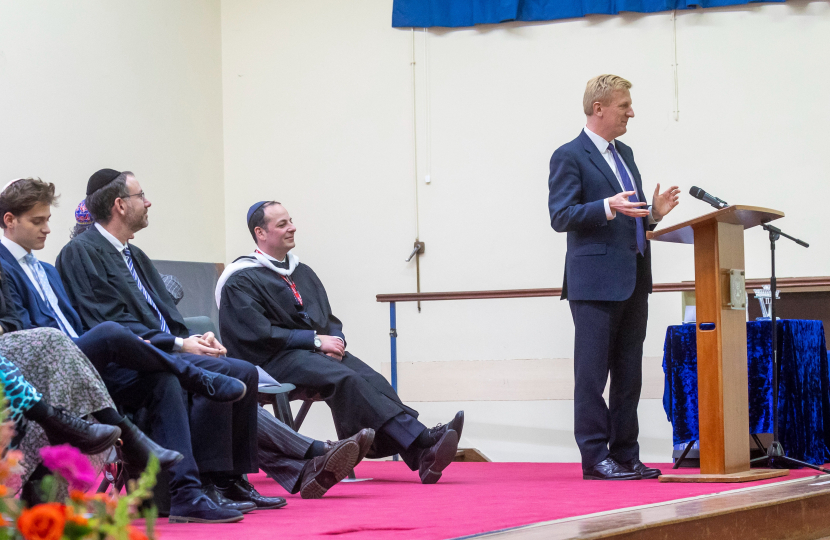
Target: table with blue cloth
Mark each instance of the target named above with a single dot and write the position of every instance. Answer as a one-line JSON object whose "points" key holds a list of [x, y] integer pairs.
{"points": [[803, 385]]}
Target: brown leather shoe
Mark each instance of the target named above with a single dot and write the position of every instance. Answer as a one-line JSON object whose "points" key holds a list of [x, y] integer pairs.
{"points": [[436, 458], [364, 438], [323, 472]]}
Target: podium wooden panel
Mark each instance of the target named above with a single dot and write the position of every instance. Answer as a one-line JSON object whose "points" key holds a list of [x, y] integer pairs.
{"points": [[720, 297]]}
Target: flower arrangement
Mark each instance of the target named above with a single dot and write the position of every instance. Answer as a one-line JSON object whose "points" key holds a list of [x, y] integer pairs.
{"points": [[82, 516]]}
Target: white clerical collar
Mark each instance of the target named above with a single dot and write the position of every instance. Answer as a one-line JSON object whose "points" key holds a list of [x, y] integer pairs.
{"points": [[274, 258], [116, 243], [601, 144], [17, 251]]}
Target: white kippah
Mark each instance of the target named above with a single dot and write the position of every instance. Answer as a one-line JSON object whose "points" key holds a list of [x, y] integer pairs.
{"points": [[9, 183]]}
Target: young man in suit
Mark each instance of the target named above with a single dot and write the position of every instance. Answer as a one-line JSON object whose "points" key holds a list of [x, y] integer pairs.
{"points": [[597, 198]]}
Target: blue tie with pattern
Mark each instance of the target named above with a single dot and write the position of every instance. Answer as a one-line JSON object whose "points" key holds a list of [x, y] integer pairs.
{"points": [[51, 299], [629, 186], [164, 327]]}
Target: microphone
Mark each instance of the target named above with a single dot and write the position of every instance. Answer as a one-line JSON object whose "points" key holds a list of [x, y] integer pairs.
{"points": [[698, 193]]}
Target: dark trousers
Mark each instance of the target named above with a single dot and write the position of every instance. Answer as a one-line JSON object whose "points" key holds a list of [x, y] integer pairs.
{"points": [[358, 396], [167, 421], [281, 451], [225, 435], [109, 342], [609, 341]]}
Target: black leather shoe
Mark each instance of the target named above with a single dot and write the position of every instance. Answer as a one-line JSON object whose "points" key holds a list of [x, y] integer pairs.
{"points": [[61, 427], [202, 510], [321, 473], [364, 439], [213, 493], [240, 490], [635, 465], [608, 469], [433, 460], [137, 447], [216, 387], [456, 424]]}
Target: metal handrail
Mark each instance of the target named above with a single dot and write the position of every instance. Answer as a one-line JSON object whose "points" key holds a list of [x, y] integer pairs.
{"points": [[392, 299]]}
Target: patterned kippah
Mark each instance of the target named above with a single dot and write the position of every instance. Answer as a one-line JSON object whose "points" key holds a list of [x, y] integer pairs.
{"points": [[82, 215]]}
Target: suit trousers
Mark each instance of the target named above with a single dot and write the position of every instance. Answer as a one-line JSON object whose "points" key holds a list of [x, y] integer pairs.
{"points": [[109, 342], [225, 434], [281, 451], [609, 341], [164, 400]]}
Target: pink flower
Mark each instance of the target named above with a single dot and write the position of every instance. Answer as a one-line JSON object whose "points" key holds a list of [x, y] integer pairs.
{"points": [[68, 462]]}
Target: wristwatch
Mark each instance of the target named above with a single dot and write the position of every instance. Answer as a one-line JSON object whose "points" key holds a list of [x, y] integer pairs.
{"points": [[317, 343]]}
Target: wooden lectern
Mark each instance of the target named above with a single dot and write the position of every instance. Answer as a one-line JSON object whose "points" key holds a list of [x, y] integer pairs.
{"points": [[720, 297]]}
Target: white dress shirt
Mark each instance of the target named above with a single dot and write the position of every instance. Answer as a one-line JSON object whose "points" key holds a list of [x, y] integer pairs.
{"points": [[602, 146], [116, 243], [19, 253]]}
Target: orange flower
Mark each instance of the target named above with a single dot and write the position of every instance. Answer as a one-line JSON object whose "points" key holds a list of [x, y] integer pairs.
{"points": [[136, 534], [3, 491], [77, 495], [70, 515], [42, 522]]}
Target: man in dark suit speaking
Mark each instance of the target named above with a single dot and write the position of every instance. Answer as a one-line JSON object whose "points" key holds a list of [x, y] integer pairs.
{"points": [[596, 196]]}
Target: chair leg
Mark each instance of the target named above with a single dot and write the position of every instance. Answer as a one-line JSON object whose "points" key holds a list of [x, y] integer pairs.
{"points": [[301, 414], [282, 410]]}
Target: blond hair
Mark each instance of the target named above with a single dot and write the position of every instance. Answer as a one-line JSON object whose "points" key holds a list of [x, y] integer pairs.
{"points": [[600, 88]]}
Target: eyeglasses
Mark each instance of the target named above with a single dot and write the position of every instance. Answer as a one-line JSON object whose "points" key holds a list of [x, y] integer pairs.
{"points": [[141, 194]]}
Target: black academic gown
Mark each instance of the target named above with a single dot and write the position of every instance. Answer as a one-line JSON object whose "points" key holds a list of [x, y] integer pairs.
{"points": [[260, 321], [101, 288]]}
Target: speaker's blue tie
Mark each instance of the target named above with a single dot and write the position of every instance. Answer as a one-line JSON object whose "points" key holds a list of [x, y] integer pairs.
{"points": [[629, 186], [164, 327]]}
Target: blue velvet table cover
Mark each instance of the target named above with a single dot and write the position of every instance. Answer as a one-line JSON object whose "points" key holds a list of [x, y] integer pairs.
{"points": [[803, 385]]}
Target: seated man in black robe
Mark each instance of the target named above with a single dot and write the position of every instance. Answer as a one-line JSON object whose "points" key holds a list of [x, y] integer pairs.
{"points": [[108, 279], [274, 311]]}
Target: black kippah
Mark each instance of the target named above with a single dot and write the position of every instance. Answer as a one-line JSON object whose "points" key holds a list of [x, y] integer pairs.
{"points": [[100, 179]]}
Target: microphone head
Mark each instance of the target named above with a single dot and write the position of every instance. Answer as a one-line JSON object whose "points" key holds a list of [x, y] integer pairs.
{"points": [[696, 192]]}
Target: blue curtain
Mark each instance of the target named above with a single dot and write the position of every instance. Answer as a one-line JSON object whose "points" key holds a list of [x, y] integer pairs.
{"points": [[457, 13]]}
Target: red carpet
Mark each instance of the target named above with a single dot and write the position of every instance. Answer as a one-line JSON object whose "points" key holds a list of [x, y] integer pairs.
{"points": [[471, 498]]}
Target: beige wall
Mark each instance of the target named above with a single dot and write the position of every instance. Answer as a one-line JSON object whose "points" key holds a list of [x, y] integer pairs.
{"points": [[216, 105], [318, 105], [127, 85]]}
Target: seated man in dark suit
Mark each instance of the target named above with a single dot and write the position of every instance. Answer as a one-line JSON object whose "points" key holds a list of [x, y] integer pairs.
{"points": [[274, 311], [108, 279]]}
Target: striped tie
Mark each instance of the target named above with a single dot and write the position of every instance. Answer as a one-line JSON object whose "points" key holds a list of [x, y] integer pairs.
{"points": [[629, 186], [164, 327]]}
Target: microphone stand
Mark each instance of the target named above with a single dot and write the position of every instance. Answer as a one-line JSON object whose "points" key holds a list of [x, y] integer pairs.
{"points": [[775, 452]]}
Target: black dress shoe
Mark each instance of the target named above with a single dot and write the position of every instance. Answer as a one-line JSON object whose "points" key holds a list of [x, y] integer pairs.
{"points": [[364, 439], [608, 469], [433, 460], [213, 493], [202, 510], [216, 387], [635, 465], [61, 427], [240, 490], [322, 472], [137, 448], [456, 424]]}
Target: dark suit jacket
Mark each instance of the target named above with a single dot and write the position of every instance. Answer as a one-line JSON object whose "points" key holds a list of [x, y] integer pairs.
{"points": [[9, 319], [601, 261], [31, 308], [101, 288]]}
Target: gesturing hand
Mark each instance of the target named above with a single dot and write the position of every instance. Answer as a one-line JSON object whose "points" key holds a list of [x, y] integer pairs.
{"points": [[663, 203], [620, 203]]}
